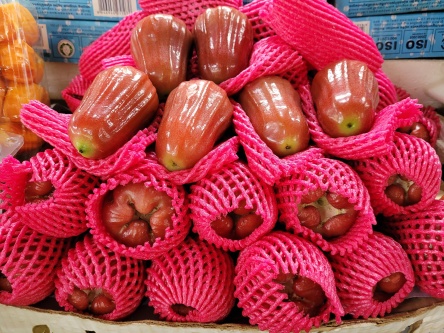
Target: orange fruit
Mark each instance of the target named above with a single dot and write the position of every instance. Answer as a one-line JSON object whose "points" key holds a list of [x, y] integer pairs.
{"points": [[17, 61], [39, 69], [17, 22], [19, 94], [32, 142], [2, 92]]}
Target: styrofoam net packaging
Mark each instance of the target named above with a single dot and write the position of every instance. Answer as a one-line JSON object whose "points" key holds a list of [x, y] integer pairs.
{"points": [[21, 72], [192, 282], [94, 280], [375, 278], [272, 274]]}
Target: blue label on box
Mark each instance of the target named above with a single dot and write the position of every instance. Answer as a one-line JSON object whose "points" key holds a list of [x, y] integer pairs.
{"points": [[356, 8], [418, 35]]}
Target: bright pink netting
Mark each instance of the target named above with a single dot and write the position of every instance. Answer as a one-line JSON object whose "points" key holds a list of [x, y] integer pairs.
{"points": [[141, 173], [387, 90], [196, 275], [222, 154], [321, 33], [409, 156], [13, 178], [375, 142], [73, 93], [223, 191], [92, 267], [28, 259], [253, 11], [358, 273], [52, 127], [262, 299], [62, 214], [337, 177], [421, 235]]}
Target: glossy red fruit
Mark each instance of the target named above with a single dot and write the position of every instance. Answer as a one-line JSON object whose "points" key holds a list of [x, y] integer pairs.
{"points": [[345, 95], [38, 190], [274, 109], [161, 47], [224, 41]]}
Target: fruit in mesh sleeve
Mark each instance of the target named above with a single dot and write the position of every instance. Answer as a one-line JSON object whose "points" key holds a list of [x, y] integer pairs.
{"points": [[119, 102], [196, 115], [192, 282], [284, 283], [27, 259], [92, 279], [224, 40], [161, 47], [375, 278], [274, 109], [345, 95]]}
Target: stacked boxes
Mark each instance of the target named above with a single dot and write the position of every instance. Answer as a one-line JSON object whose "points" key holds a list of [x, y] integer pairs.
{"points": [[68, 26], [400, 29]]}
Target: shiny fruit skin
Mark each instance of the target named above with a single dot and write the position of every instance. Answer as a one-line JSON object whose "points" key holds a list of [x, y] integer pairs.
{"points": [[196, 114], [345, 95], [224, 40], [160, 47], [274, 109], [119, 102]]}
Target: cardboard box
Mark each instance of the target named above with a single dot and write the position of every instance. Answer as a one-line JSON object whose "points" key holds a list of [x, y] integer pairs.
{"points": [[65, 40], [417, 35], [355, 8], [102, 10]]}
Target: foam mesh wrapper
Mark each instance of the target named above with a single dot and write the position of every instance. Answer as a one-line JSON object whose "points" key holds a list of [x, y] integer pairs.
{"points": [[89, 265], [335, 176], [53, 128], [139, 174], [62, 214], [421, 235], [358, 273], [410, 157], [223, 191], [27, 259], [262, 299], [194, 274]]}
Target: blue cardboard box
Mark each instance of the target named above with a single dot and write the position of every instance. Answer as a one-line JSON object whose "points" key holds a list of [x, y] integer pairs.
{"points": [[406, 36], [356, 8]]}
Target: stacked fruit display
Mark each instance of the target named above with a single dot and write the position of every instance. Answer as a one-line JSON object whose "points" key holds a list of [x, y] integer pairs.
{"points": [[216, 161], [21, 72]]}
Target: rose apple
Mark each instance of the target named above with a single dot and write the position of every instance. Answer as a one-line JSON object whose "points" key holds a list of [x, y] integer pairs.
{"points": [[160, 46], [345, 95], [135, 214], [38, 190], [119, 102], [308, 295], [5, 285], [388, 286], [195, 116], [274, 109], [327, 213], [224, 41], [402, 191], [97, 302], [416, 129]]}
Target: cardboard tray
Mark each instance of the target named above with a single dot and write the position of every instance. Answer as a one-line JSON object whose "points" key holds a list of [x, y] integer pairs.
{"points": [[418, 315]]}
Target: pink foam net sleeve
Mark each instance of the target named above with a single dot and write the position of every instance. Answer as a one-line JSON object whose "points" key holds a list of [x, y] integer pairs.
{"points": [[375, 142], [27, 259], [14, 176], [421, 234], [140, 174], [321, 33], [253, 10], [60, 213], [410, 157], [223, 191], [73, 93], [357, 275], [193, 282], [387, 90], [91, 267], [263, 300], [52, 127], [334, 176], [222, 154]]}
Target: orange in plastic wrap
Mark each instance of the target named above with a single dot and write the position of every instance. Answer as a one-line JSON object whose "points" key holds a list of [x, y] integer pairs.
{"points": [[17, 61], [2, 92], [32, 142], [18, 22], [19, 94], [38, 70]]}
